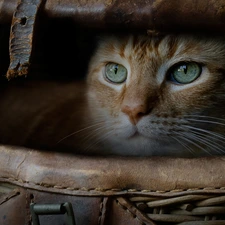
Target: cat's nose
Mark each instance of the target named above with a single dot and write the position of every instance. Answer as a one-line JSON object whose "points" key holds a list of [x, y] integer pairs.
{"points": [[135, 112]]}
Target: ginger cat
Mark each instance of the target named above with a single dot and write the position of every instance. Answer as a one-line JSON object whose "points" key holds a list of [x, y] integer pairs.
{"points": [[144, 96]]}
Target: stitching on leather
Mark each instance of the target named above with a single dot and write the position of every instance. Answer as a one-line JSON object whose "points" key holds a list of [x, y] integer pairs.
{"points": [[100, 211], [9, 196], [131, 213], [105, 190], [28, 212]]}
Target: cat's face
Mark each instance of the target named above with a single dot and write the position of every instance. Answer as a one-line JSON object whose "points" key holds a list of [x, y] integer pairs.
{"points": [[158, 95]]}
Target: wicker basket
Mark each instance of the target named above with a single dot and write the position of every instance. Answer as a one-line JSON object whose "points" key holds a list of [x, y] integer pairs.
{"points": [[112, 190]]}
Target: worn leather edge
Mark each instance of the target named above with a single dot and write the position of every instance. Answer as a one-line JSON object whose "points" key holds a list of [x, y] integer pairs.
{"points": [[21, 37], [83, 175], [163, 15]]}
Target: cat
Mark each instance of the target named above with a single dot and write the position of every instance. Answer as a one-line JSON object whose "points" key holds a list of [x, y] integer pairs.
{"points": [[159, 95], [144, 95]]}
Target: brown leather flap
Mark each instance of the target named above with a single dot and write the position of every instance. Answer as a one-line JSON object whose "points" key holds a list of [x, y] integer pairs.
{"points": [[65, 173], [149, 14]]}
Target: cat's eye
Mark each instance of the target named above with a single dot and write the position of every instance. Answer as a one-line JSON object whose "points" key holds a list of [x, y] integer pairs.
{"points": [[185, 72], [115, 73]]}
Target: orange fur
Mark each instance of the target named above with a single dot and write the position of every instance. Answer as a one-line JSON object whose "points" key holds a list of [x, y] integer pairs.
{"points": [[150, 115], [146, 114]]}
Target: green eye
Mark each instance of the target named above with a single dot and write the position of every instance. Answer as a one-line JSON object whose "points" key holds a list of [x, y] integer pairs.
{"points": [[115, 73], [185, 72]]}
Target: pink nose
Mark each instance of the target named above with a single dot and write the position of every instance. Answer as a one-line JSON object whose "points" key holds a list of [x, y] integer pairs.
{"points": [[135, 112]]}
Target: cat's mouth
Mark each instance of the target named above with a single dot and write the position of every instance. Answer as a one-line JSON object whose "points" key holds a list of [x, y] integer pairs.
{"points": [[135, 135], [138, 134]]}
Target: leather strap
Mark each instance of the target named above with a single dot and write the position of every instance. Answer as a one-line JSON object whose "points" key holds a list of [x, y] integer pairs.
{"points": [[163, 15], [21, 37]]}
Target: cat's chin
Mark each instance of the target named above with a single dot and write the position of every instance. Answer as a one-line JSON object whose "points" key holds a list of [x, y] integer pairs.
{"points": [[138, 135], [139, 145]]}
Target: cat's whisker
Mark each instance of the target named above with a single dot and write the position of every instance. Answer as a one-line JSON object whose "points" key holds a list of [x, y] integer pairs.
{"points": [[99, 139], [81, 130], [183, 134], [94, 133], [214, 140], [209, 137], [193, 142], [206, 121], [204, 131], [183, 144], [203, 140], [204, 116]]}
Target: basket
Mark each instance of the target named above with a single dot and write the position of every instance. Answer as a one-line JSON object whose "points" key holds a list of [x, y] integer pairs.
{"points": [[39, 187]]}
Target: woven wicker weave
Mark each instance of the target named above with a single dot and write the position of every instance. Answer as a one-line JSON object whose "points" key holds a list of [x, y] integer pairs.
{"points": [[188, 209], [113, 191]]}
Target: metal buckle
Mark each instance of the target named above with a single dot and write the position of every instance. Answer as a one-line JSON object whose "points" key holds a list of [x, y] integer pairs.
{"points": [[49, 209]]}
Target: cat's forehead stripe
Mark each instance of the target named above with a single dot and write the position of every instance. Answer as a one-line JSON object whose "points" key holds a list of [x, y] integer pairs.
{"points": [[172, 43], [156, 46]]}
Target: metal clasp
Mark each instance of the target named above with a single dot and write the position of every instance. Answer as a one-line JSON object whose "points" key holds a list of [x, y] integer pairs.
{"points": [[49, 209]]}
